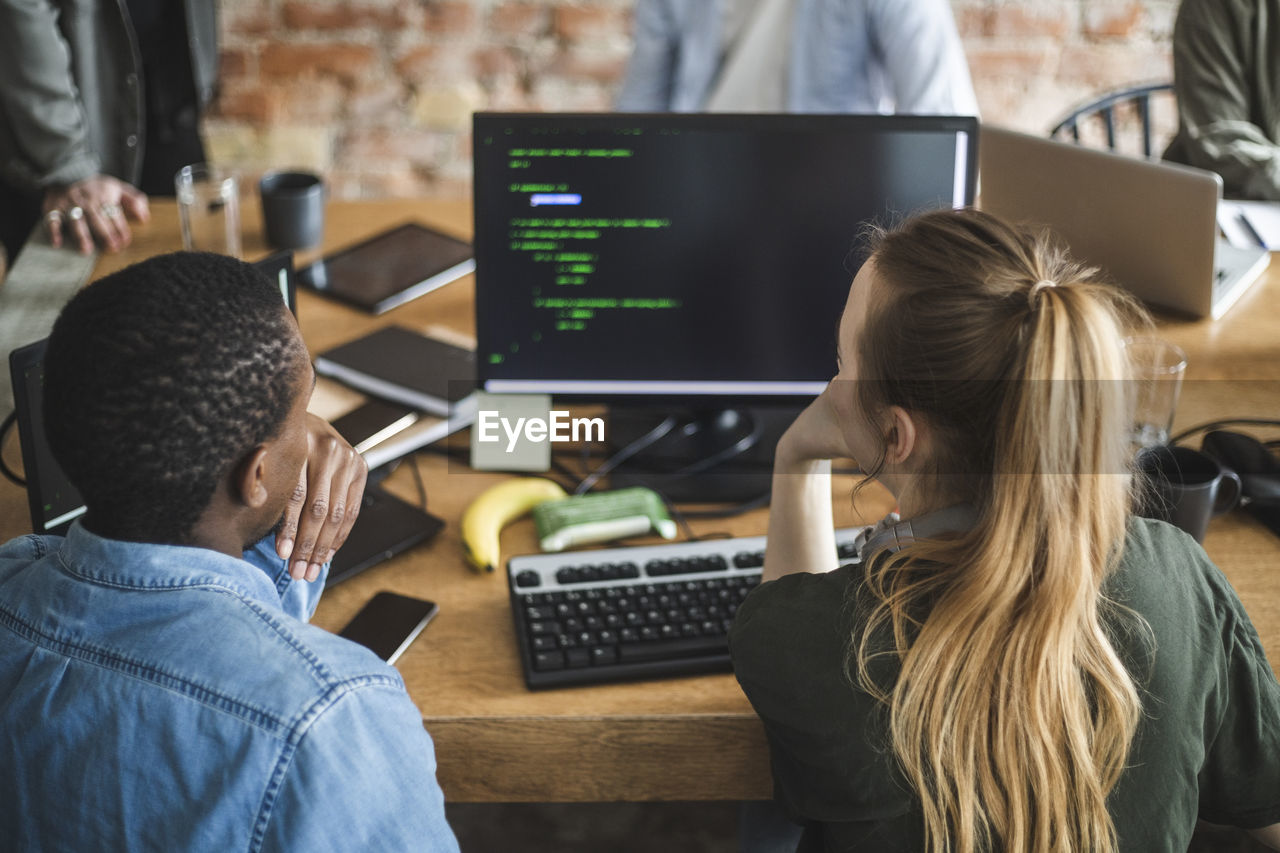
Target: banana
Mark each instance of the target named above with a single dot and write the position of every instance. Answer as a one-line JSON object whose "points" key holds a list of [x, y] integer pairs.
{"points": [[494, 508]]}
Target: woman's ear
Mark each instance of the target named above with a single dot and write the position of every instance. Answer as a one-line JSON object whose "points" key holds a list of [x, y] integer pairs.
{"points": [[901, 437], [249, 479]]}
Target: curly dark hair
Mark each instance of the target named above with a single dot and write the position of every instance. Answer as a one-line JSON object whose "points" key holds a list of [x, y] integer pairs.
{"points": [[158, 379]]}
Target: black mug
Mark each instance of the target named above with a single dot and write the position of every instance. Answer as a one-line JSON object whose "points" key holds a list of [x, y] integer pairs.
{"points": [[1186, 488], [292, 209]]}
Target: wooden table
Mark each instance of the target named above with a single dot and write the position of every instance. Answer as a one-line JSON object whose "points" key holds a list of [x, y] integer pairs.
{"points": [[682, 739]]}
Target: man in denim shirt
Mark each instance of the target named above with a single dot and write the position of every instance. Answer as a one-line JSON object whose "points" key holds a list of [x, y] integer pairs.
{"points": [[159, 689]]}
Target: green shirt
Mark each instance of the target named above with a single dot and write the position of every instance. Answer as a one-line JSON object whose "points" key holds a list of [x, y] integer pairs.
{"points": [[1208, 744]]}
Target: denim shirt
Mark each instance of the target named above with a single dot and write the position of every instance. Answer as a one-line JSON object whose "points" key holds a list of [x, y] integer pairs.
{"points": [[846, 56], [160, 697]]}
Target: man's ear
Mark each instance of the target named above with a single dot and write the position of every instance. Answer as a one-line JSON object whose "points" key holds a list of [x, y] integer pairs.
{"points": [[901, 437], [249, 479]]}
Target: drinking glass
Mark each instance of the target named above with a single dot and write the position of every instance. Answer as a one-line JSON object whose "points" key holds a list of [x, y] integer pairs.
{"points": [[208, 209]]}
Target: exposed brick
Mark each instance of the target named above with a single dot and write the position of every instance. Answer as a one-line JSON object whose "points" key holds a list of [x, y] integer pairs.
{"points": [[449, 18], [604, 68], [374, 101], [418, 63], [520, 19], [590, 23], [401, 126], [509, 95], [301, 145], [319, 100], [1028, 22], [344, 60], [552, 93], [1023, 62], [1100, 67], [341, 16], [1110, 22], [392, 148], [490, 62], [235, 62], [256, 105], [277, 146], [448, 108], [250, 21], [972, 21]]}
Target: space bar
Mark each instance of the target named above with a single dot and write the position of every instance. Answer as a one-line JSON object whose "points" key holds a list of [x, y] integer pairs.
{"points": [[668, 649]]}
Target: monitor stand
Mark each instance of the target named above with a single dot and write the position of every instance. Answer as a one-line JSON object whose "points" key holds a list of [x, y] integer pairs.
{"points": [[705, 456]]}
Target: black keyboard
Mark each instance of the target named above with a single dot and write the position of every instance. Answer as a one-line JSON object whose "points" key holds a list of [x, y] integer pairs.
{"points": [[648, 611]]}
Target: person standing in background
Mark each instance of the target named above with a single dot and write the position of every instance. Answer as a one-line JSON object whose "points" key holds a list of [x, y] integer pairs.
{"points": [[805, 56], [1226, 74], [100, 102]]}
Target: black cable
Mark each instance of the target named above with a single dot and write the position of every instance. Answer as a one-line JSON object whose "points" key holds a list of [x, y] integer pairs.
{"points": [[588, 482], [738, 448], [417, 480], [11, 475], [1224, 423]]}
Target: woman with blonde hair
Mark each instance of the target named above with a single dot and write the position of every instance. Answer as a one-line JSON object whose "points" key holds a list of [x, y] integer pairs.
{"points": [[1019, 663]]}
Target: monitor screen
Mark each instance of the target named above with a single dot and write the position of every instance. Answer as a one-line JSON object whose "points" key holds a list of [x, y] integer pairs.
{"points": [[635, 258]]}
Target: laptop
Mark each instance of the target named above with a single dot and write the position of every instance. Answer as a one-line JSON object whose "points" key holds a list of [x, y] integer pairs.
{"points": [[386, 525], [1151, 226]]}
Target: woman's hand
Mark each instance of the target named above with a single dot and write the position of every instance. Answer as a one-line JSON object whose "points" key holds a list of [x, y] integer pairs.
{"points": [[325, 503], [816, 434], [98, 207], [801, 530]]}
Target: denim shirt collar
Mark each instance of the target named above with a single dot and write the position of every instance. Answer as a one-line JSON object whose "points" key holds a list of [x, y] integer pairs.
{"points": [[141, 565]]}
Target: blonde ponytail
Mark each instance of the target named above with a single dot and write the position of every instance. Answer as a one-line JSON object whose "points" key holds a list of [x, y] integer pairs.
{"points": [[1011, 713]]}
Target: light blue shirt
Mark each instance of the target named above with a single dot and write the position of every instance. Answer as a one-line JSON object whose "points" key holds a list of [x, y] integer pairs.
{"points": [[846, 56], [159, 697]]}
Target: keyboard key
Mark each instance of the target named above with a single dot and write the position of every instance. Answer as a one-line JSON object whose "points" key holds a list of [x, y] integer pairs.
{"points": [[668, 649], [544, 661], [603, 655], [578, 658], [528, 578]]}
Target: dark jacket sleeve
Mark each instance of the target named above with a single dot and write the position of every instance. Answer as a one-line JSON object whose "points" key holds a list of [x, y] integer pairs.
{"points": [[1226, 56], [43, 134]]}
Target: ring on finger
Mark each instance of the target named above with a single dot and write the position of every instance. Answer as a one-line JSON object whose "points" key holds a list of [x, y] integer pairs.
{"points": [[54, 218], [76, 213], [110, 211]]}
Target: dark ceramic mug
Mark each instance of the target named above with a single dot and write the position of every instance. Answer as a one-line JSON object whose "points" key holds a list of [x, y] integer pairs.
{"points": [[1186, 487], [292, 209]]}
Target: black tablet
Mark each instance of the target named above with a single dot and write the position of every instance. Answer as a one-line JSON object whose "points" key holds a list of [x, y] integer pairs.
{"points": [[390, 268], [386, 526]]}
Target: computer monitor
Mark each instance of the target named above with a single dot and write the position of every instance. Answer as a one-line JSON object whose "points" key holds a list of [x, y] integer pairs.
{"points": [[51, 498], [688, 260]]}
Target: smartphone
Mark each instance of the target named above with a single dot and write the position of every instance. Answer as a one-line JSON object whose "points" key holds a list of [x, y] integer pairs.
{"points": [[389, 623], [373, 423]]}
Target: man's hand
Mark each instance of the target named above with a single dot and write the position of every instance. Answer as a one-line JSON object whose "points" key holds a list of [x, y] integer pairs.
{"points": [[325, 503], [99, 207]]}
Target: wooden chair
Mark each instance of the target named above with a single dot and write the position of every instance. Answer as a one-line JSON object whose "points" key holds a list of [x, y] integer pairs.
{"points": [[1105, 107]]}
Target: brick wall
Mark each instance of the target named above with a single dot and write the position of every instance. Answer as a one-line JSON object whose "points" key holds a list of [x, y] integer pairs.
{"points": [[378, 94]]}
